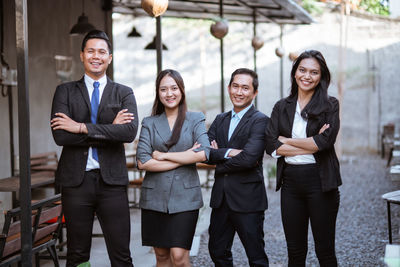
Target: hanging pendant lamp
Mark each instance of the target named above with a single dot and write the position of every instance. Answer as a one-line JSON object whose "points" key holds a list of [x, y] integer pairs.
{"points": [[83, 26]]}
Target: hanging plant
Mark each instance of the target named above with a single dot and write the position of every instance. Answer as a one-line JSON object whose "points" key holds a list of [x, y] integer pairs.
{"points": [[219, 29], [257, 43], [155, 8]]}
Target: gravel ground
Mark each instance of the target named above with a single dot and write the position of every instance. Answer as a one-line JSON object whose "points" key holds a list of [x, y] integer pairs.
{"points": [[361, 232]]}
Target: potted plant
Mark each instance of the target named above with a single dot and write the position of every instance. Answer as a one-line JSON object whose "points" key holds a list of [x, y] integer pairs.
{"points": [[271, 173]]}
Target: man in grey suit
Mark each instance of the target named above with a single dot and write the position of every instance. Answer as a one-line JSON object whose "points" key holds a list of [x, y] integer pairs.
{"points": [[92, 118], [238, 197]]}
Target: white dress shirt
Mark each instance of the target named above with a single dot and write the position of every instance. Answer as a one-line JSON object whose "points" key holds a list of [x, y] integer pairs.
{"points": [[298, 131], [91, 162]]}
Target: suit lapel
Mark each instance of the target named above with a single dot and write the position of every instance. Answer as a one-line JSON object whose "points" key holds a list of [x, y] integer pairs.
{"points": [[290, 109], [162, 127], [84, 92], [105, 96], [243, 122], [225, 127]]}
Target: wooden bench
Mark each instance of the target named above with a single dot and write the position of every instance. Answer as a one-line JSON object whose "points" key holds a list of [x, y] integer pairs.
{"points": [[44, 162], [46, 224]]}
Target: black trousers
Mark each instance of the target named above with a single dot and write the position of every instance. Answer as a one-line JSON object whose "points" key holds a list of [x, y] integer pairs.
{"points": [[110, 204], [302, 200], [224, 223]]}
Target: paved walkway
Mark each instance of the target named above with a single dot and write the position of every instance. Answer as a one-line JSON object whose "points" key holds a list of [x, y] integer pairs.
{"points": [[361, 225]]}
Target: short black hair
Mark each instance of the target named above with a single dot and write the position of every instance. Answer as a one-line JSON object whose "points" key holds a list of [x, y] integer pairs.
{"points": [[250, 72], [96, 34]]}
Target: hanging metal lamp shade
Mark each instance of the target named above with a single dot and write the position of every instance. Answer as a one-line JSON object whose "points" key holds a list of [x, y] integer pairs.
{"points": [[83, 26], [152, 45], [134, 33]]}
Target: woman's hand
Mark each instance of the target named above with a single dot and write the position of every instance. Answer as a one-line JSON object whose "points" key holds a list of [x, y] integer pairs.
{"points": [[214, 144], [323, 128], [158, 155], [123, 117], [195, 146], [283, 139]]}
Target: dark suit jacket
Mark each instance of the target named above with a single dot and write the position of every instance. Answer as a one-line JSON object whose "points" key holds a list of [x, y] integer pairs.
{"points": [[281, 124], [240, 179], [72, 99]]}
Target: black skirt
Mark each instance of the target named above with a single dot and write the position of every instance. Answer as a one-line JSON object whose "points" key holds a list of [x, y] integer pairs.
{"points": [[163, 230]]}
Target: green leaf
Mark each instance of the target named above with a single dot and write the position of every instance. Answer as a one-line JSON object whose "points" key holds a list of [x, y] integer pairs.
{"points": [[84, 264]]}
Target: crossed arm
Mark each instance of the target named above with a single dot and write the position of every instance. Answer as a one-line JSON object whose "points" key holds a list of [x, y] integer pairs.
{"points": [[62, 122], [150, 159], [298, 146], [165, 161]]}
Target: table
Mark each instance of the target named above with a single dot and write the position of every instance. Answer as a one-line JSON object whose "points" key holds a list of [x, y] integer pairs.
{"points": [[38, 179], [391, 197]]}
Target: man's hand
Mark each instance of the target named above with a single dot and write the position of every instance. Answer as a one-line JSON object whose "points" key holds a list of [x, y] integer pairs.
{"points": [[234, 152], [123, 117], [214, 144], [63, 122]]}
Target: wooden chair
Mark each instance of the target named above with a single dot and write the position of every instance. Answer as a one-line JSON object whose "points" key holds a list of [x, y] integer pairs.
{"points": [[45, 231], [136, 182], [387, 138]]}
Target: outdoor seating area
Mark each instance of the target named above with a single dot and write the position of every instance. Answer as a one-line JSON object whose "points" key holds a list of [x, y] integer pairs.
{"points": [[46, 227]]}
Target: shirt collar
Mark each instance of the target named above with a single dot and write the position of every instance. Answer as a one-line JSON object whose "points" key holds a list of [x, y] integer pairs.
{"points": [[241, 113], [102, 80]]}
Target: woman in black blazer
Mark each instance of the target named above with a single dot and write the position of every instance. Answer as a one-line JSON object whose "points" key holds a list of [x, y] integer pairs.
{"points": [[301, 134]]}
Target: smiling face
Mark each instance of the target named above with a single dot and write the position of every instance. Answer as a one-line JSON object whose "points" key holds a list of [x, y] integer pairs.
{"points": [[241, 91], [169, 93], [96, 58], [308, 75]]}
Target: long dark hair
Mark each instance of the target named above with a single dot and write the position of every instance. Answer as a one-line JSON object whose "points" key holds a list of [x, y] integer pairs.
{"points": [[319, 102], [158, 107]]}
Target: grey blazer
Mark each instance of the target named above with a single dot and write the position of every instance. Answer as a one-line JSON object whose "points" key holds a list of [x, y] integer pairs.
{"points": [[179, 189]]}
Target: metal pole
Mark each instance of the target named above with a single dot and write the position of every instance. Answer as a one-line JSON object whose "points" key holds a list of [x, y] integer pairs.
{"points": [[158, 44], [281, 62], [254, 50], [21, 19], [221, 14], [11, 125]]}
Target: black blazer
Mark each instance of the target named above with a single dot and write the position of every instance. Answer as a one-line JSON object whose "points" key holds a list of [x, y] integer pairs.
{"points": [[282, 118], [240, 179], [72, 98]]}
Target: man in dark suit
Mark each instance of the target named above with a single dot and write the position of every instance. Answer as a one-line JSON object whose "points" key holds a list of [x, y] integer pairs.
{"points": [[92, 118], [238, 198]]}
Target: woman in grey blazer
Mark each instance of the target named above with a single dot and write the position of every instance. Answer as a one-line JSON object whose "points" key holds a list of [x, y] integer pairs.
{"points": [[171, 141]]}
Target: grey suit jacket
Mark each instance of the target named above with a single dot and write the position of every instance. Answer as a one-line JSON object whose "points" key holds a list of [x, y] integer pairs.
{"points": [[179, 189]]}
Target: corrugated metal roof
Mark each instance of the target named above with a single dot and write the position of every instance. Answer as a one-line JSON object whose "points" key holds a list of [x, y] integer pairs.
{"points": [[270, 11]]}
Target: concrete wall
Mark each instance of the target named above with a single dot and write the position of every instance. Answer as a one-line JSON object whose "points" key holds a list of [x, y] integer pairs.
{"points": [[49, 23]]}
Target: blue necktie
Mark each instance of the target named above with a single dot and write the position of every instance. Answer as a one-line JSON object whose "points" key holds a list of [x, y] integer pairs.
{"points": [[234, 122], [94, 102]]}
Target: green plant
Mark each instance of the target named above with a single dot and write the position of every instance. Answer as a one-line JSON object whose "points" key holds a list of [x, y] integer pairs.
{"points": [[312, 7], [84, 264], [379, 7], [271, 171]]}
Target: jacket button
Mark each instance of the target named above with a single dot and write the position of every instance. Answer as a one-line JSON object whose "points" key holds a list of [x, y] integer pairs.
{"points": [[85, 153], [225, 174]]}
